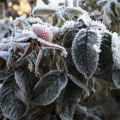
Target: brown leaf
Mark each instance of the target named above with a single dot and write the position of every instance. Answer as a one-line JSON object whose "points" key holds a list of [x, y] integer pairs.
{"points": [[79, 114], [2, 63], [27, 52]]}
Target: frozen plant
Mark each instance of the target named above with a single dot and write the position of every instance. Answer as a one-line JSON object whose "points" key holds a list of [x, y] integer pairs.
{"points": [[48, 68]]}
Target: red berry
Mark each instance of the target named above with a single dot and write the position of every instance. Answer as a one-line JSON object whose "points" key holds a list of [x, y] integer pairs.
{"points": [[43, 32]]}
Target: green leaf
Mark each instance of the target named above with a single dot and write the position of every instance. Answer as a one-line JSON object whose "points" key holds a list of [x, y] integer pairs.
{"points": [[49, 87], [25, 79], [67, 101], [84, 54], [12, 100]]}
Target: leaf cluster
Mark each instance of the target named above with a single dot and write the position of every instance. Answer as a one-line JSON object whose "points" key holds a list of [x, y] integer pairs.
{"points": [[47, 80]]}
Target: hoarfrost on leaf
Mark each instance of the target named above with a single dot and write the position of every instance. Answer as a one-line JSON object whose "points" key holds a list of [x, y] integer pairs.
{"points": [[83, 53], [116, 50], [44, 9]]}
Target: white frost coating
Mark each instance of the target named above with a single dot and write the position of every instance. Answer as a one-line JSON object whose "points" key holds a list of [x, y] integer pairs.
{"points": [[116, 50], [55, 30], [67, 25], [85, 18], [34, 20], [72, 9], [4, 55], [95, 47], [100, 24], [44, 7], [61, 85]]}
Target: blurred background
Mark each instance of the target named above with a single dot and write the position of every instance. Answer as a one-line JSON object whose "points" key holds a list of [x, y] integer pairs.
{"points": [[104, 101]]}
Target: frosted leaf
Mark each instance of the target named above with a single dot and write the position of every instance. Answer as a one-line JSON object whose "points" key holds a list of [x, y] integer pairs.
{"points": [[25, 79], [44, 9], [12, 100], [57, 19], [85, 18], [116, 50], [116, 59], [67, 101], [69, 36], [98, 25], [83, 53], [75, 11], [49, 87]]}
